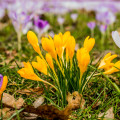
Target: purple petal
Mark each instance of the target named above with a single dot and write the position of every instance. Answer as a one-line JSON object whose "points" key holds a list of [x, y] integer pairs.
{"points": [[74, 16], [103, 28], [91, 25], [40, 23], [1, 80], [60, 20]]}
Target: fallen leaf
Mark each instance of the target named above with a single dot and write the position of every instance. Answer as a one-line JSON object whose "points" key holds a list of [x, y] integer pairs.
{"points": [[75, 100], [19, 103], [29, 116], [48, 112], [38, 102], [9, 100], [31, 91], [6, 113], [108, 115]]}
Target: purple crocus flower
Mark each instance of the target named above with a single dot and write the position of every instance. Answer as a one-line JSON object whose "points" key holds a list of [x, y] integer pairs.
{"points": [[106, 7], [1, 80], [106, 17], [60, 20], [91, 25], [74, 16], [41, 26], [21, 21], [103, 28], [40, 23]]}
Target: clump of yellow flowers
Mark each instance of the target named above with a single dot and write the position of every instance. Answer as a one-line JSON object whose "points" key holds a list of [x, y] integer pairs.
{"points": [[59, 62]]}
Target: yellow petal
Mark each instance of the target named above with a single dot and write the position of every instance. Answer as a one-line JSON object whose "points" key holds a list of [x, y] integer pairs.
{"points": [[110, 58], [83, 58], [27, 72], [48, 45], [4, 84], [70, 47], [106, 60], [115, 68], [49, 60], [33, 40], [40, 65], [89, 43]]}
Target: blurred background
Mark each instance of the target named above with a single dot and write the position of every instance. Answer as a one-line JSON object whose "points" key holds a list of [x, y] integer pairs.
{"points": [[94, 18]]}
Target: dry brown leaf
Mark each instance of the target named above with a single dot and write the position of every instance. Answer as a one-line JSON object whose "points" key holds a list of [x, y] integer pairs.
{"points": [[38, 102], [49, 112], [30, 91], [75, 100], [9, 100], [108, 115], [29, 116], [6, 112], [19, 103]]}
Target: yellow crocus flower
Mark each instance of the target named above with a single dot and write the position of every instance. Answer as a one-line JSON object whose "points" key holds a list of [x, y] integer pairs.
{"points": [[89, 43], [70, 47], [83, 58], [106, 61], [40, 65], [60, 41], [33, 40], [113, 69], [27, 72], [48, 45], [49, 60], [59, 44]]}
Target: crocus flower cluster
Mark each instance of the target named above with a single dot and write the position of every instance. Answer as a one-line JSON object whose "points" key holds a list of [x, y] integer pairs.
{"points": [[3, 84], [107, 64], [58, 59], [106, 14]]}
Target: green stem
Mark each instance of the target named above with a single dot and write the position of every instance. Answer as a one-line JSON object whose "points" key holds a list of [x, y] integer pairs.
{"points": [[19, 40], [102, 40], [60, 68], [92, 33], [81, 74]]}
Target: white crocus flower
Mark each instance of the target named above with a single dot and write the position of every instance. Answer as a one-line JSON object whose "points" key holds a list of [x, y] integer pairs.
{"points": [[116, 38]]}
